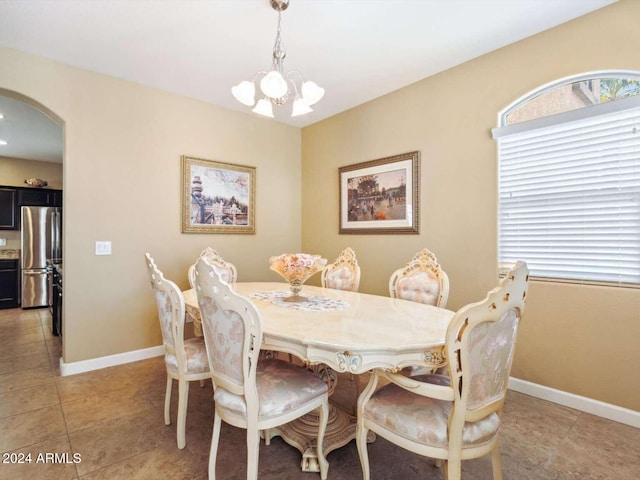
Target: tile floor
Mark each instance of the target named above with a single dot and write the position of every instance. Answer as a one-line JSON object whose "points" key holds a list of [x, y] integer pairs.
{"points": [[113, 420]]}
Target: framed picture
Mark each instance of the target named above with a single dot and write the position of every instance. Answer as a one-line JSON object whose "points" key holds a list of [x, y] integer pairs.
{"points": [[381, 196], [217, 197]]}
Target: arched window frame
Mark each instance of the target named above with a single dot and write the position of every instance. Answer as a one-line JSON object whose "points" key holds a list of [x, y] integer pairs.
{"points": [[601, 264]]}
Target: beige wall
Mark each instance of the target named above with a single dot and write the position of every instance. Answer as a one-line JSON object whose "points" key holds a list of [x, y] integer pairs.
{"points": [[122, 182], [578, 339], [13, 171]]}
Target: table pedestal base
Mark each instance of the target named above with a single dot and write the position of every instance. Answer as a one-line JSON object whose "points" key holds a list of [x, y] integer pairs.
{"points": [[302, 434]]}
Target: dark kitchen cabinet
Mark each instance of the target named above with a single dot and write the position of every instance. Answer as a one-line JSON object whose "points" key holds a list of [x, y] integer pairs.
{"points": [[8, 209], [13, 198], [9, 286], [56, 198], [36, 198]]}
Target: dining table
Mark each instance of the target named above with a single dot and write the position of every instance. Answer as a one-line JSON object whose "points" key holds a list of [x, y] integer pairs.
{"points": [[339, 331]]}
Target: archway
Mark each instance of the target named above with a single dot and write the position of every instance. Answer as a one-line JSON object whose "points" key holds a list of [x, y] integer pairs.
{"points": [[34, 136]]}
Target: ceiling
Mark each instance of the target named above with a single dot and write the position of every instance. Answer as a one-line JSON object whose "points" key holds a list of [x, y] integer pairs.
{"points": [[357, 50]]}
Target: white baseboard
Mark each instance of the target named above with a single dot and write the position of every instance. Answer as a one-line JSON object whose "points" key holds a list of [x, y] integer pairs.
{"points": [[109, 361], [584, 404]]}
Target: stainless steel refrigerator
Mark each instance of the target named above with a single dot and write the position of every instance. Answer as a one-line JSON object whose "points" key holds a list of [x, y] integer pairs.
{"points": [[41, 234]]}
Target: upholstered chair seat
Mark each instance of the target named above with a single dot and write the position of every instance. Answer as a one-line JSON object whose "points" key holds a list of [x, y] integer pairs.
{"points": [[282, 387], [423, 420], [195, 354]]}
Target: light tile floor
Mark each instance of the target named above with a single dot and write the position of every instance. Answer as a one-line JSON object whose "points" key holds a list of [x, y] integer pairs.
{"points": [[113, 419]]}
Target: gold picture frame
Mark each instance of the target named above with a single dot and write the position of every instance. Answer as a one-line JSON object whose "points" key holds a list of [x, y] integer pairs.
{"points": [[217, 197], [381, 196]]}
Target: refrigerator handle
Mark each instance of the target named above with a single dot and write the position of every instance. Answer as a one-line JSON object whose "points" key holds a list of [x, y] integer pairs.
{"points": [[55, 234]]}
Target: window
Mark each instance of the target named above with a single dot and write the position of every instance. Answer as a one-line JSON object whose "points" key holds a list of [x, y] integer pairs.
{"points": [[569, 181]]}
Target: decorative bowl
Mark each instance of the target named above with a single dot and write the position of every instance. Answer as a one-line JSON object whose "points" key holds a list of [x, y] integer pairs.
{"points": [[297, 268]]}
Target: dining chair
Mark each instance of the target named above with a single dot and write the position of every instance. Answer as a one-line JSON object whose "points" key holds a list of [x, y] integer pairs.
{"points": [[226, 270], [421, 280], [454, 417], [343, 273], [185, 360], [251, 392]]}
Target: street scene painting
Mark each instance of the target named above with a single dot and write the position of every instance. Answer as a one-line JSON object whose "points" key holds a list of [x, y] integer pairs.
{"points": [[380, 196], [217, 197]]}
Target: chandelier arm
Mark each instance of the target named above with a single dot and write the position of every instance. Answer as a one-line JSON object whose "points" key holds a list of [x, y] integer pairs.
{"points": [[295, 87], [297, 72]]}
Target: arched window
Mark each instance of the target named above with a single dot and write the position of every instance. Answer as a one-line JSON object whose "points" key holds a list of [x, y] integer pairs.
{"points": [[569, 180]]}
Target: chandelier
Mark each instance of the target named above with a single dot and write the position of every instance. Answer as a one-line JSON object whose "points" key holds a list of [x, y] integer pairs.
{"points": [[276, 87]]}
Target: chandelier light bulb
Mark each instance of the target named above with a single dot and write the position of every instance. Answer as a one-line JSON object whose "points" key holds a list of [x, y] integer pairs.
{"points": [[311, 92], [274, 85], [300, 107], [264, 108], [245, 93]]}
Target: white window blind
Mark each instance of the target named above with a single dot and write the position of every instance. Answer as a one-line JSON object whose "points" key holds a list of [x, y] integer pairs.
{"points": [[569, 195]]}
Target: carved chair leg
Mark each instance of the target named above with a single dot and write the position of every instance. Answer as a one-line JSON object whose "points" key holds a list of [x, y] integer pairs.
{"points": [[495, 463], [167, 401], [322, 427], [253, 453], [183, 399], [361, 443], [213, 452]]}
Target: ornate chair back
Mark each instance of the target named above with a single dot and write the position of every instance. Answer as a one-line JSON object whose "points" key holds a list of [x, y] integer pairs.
{"points": [[226, 270], [171, 312], [232, 330], [421, 280], [343, 273]]}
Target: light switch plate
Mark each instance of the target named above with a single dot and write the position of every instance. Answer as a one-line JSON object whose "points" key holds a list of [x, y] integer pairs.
{"points": [[103, 247], [3, 242]]}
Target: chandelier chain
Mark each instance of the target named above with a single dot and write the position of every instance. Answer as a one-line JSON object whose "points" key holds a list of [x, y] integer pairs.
{"points": [[279, 51]]}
